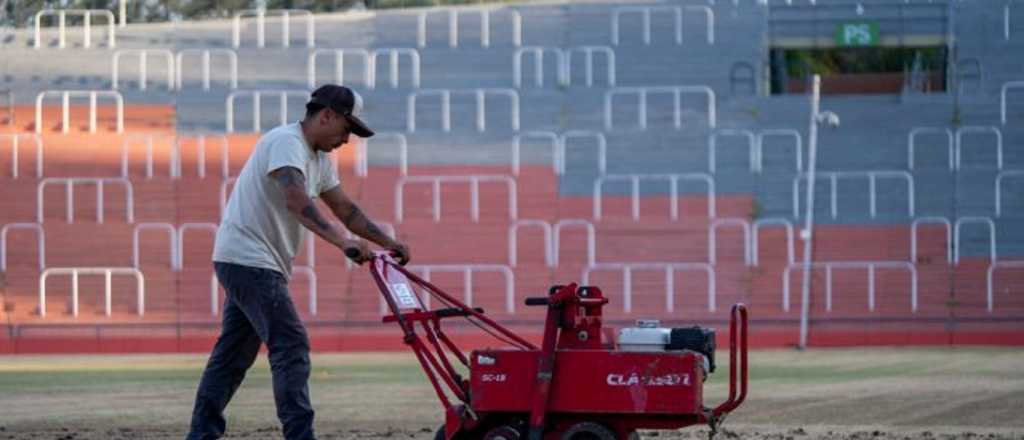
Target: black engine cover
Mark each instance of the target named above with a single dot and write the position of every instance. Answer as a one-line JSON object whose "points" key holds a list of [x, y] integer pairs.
{"points": [[696, 338]]}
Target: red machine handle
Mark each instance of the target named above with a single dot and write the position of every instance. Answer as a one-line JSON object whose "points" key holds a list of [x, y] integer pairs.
{"points": [[737, 346]]}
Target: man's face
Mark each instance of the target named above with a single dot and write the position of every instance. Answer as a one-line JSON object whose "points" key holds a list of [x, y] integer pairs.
{"points": [[335, 132]]}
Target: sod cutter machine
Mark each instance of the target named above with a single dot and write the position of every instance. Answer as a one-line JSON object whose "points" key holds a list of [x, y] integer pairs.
{"points": [[581, 383]]}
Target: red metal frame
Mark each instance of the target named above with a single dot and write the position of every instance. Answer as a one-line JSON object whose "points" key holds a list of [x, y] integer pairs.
{"points": [[435, 363], [574, 376], [739, 313]]}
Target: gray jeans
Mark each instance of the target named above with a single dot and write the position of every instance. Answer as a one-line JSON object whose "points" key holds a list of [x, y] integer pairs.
{"points": [[258, 310]]}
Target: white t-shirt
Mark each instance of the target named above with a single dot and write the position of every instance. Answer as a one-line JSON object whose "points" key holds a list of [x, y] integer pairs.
{"points": [[256, 228]]}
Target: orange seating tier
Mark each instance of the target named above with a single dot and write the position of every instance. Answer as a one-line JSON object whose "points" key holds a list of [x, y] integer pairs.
{"points": [[952, 303]]}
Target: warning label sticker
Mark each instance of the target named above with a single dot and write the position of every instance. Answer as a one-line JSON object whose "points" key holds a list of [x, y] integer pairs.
{"points": [[404, 296]]}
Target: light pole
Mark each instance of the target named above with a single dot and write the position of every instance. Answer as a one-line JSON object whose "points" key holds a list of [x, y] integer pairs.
{"points": [[807, 234]]}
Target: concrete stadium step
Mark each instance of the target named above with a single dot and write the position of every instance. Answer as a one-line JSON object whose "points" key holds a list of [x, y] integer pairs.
{"points": [[137, 118], [970, 293], [616, 207]]}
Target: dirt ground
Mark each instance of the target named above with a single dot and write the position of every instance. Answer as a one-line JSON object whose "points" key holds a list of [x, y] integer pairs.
{"points": [[743, 432], [864, 394]]}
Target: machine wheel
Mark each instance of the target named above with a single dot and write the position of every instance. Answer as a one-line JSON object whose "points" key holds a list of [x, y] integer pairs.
{"points": [[633, 435], [588, 431], [504, 432], [439, 434]]}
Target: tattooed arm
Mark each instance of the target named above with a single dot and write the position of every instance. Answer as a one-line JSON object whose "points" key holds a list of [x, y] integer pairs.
{"points": [[356, 221], [292, 183]]}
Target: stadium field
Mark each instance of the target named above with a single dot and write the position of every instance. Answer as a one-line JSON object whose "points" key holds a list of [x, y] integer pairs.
{"points": [[884, 393]]}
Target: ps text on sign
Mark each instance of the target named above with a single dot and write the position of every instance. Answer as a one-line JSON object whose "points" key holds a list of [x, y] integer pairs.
{"points": [[855, 34]]}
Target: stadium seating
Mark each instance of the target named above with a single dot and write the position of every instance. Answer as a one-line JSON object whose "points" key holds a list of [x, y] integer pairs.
{"points": [[517, 157]]}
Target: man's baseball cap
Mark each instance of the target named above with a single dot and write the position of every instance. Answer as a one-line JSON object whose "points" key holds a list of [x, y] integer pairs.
{"points": [[343, 101]]}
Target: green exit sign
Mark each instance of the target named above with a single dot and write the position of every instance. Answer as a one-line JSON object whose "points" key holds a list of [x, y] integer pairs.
{"points": [[860, 33]]}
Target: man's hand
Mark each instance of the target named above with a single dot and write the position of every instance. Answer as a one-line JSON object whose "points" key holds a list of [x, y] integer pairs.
{"points": [[358, 251], [400, 251], [356, 221]]}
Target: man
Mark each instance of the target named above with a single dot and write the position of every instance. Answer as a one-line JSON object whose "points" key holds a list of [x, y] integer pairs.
{"points": [[259, 234]]}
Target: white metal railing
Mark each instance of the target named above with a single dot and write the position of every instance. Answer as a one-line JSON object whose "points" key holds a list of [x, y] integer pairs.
{"points": [[798, 145], [224, 193], [559, 143], [69, 197], [513, 241], [66, 95], [474, 193], [673, 180], [999, 187], [993, 253], [755, 239], [87, 16], [563, 64], [981, 130], [148, 140], [677, 14], [446, 106], [588, 60], [467, 271], [453, 25], [1002, 97], [872, 177], [200, 140], [15, 143], [394, 54], [40, 240], [669, 268], [931, 220], [180, 244], [257, 96], [591, 239], [755, 144], [362, 165], [370, 68], [677, 111], [713, 146], [107, 272], [205, 56], [917, 131], [713, 238], [172, 239], [143, 55], [552, 242], [538, 65], [990, 274], [339, 65], [175, 240], [870, 266], [261, 26]]}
